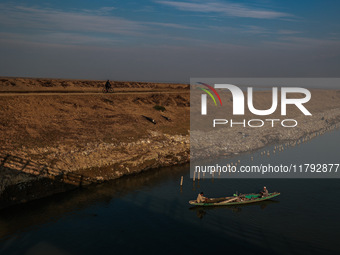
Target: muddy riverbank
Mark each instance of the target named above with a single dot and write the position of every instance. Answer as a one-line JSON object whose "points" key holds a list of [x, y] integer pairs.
{"points": [[72, 134], [23, 179]]}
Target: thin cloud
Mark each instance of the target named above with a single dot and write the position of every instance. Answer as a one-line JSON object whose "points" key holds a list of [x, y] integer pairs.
{"points": [[256, 30], [262, 30], [46, 20], [171, 25], [61, 38], [229, 9], [304, 43], [84, 21], [107, 8], [288, 32], [101, 11], [310, 41]]}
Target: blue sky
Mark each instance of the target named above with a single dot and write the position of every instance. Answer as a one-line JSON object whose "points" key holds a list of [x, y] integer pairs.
{"points": [[160, 40]]}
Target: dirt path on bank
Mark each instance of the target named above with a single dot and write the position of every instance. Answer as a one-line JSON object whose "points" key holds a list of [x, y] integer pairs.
{"points": [[44, 93]]}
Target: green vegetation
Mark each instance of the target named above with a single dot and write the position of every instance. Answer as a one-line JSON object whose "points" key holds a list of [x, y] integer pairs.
{"points": [[159, 108]]}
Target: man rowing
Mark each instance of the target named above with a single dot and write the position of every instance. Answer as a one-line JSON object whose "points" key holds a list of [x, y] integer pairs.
{"points": [[265, 192], [201, 198]]}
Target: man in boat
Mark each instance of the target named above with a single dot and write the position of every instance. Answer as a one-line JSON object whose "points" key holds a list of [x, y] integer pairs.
{"points": [[201, 198], [265, 192]]}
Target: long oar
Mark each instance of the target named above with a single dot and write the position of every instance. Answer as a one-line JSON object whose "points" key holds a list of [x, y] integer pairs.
{"points": [[228, 201]]}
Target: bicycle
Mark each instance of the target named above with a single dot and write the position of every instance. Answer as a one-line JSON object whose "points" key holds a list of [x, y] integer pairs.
{"points": [[107, 90]]}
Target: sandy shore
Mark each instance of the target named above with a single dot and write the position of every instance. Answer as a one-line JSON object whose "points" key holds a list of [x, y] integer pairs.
{"points": [[67, 133]]}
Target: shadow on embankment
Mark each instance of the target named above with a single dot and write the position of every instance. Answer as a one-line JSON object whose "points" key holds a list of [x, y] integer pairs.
{"points": [[18, 218], [23, 180]]}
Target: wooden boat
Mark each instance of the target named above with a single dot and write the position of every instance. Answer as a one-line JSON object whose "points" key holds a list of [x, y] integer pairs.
{"points": [[236, 200]]}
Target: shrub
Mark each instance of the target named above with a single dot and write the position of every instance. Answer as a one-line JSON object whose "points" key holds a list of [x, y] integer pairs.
{"points": [[159, 108]]}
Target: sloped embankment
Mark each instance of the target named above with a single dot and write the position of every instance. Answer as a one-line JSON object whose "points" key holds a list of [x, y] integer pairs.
{"points": [[92, 137]]}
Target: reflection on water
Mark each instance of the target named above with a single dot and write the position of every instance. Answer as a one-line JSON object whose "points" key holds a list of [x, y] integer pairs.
{"points": [[201, 211], [20, 217], [149, 213]]}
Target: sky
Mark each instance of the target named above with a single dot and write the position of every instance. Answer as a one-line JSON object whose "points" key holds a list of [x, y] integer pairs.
{"points": [[169, 40]]}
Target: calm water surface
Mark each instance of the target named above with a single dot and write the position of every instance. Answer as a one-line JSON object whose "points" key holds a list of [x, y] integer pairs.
{"points": [[149, 213]]}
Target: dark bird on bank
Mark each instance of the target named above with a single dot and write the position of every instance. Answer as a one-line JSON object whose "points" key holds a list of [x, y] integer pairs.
{"points": [[150, 119], [165, 117]]}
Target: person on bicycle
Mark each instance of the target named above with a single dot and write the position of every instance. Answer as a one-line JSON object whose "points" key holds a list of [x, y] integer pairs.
{"points": [[108, 85]]}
